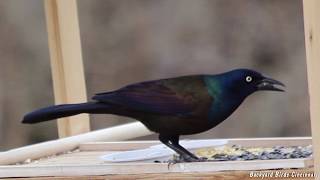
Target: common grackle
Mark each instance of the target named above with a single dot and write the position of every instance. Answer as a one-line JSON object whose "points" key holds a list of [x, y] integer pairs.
{"points": [[171, 107]]}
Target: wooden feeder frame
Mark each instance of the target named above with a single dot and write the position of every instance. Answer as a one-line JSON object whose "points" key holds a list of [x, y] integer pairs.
{"points": [[69, 87]]}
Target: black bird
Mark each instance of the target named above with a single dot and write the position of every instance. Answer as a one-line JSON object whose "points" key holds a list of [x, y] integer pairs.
{"points": [[171, 107]]}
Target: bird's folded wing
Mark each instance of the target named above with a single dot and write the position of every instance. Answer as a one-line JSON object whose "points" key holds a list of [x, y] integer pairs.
{"points": [[153, 97]]}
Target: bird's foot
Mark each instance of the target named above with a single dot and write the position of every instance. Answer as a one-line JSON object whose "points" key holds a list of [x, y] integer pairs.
{"points": [[194, 159], [189, 158], [186, 158]]}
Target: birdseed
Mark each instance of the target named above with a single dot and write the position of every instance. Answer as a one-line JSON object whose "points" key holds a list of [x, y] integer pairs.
{"points": [[233, 153], [238, 153]]}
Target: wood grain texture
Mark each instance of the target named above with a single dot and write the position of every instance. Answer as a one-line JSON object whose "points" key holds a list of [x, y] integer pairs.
{"points": [[35, 170], [88, 163], [226, 175], [311, 9], [66, 62]]}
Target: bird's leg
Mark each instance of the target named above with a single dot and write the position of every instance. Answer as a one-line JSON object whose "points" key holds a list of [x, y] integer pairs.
{"points": [[173, 143]]}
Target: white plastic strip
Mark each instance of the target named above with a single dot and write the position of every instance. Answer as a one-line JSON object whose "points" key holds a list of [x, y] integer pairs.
{"points": [[159, 151]]}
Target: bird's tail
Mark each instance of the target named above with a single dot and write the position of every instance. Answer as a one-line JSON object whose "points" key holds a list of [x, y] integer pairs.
{"points": [[59, 111]]}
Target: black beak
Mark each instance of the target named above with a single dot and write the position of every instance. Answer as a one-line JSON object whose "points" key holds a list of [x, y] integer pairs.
{"points": [[269, 84]]}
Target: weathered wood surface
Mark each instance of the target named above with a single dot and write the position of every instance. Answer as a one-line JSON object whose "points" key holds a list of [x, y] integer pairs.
{"points": [[88, 163], [57, 169], [311, 10], [227, 175]]}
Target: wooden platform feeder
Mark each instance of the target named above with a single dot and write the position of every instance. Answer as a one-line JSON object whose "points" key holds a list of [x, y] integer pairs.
{"points": [[76, 154]]}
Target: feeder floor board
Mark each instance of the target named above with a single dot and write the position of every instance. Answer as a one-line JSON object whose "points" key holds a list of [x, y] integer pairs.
{"points": [[226, 175], [85, 163]]}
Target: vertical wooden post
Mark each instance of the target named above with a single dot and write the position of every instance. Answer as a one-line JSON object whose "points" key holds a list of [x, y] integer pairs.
{"points": [[311, 10], [66, 62]]}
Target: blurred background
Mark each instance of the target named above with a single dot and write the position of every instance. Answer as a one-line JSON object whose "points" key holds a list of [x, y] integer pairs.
{"points": [[136, 40]]}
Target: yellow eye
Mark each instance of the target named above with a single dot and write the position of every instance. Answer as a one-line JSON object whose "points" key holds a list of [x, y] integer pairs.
{"points": [[248, 78]]}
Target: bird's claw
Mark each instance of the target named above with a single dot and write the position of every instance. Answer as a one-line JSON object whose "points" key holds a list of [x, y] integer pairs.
{"points": [[189, 159], [185, 159]]}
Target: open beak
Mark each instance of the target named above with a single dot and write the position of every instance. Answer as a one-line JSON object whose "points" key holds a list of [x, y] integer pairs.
{"points": [[269, 84]]}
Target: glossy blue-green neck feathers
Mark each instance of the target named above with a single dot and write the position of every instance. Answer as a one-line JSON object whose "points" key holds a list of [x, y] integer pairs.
{"points": [[223, 103], [228, 91], [232, 84]]}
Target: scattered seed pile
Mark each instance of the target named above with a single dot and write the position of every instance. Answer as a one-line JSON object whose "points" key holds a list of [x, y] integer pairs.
{"points": [[238, 153]]}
